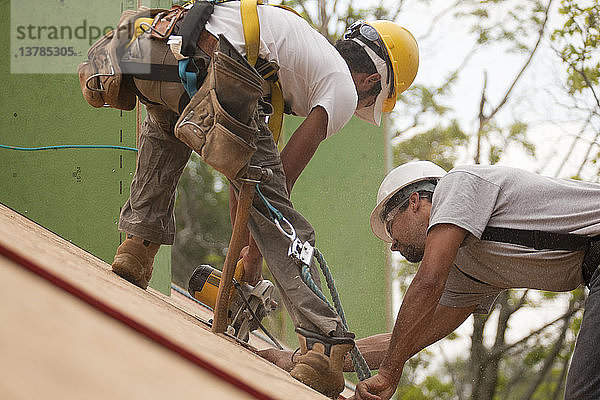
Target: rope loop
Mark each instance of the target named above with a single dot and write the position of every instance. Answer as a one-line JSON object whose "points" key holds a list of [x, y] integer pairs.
{"points": [[360, 365]]}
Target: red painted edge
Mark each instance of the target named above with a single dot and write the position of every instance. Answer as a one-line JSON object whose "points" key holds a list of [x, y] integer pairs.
{"points": [[133, 324]]}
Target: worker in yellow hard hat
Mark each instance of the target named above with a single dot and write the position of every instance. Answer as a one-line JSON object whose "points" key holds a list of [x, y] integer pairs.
{"points": [[395, 55], [207, 101]]}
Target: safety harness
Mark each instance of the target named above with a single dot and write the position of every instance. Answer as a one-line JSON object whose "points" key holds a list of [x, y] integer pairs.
{"points": [[193, 35], [268, 70], [541, 240]]}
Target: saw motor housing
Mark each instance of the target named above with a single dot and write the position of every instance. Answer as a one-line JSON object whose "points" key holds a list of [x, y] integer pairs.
{"points": [[248, 304]]}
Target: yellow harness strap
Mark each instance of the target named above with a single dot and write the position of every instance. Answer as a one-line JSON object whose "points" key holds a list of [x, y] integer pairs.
{"points": [[251, 25], [139, 28], [251, 28], [276, 120]]}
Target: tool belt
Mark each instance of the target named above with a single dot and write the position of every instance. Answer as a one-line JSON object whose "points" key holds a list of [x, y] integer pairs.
{"points": [[591, 260], [101, 77], [219, 123], [541, 240]]}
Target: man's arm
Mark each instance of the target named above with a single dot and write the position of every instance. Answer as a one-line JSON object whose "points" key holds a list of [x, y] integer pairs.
{"points": [[445, 321], [417, 311], [373, 348], [302, 145]]}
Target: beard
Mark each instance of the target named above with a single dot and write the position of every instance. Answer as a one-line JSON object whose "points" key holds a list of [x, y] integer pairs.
{"points": [[372, 92], [412, 254]]}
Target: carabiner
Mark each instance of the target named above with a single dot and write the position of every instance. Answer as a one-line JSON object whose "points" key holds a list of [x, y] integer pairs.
{"points": [[292, 235]]}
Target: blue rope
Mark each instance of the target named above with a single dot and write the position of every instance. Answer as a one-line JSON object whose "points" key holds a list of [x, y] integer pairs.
{"points": [[358, 361], [360, 364], [273, 212], [68, 146]]}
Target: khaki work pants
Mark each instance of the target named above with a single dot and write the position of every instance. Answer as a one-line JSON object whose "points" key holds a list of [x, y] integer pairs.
{"points": [[148, 213]]}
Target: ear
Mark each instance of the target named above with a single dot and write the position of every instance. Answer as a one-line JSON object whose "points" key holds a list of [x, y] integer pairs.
{"points": [[414, 201], [373, 78]]}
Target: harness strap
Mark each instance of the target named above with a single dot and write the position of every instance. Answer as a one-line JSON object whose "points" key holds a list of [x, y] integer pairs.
{"points": [[538, 240], [188, 79], [268, 70], [192, 26], [151, 72], [194, 36], [591, 260], [251, 26], [276, 120]]}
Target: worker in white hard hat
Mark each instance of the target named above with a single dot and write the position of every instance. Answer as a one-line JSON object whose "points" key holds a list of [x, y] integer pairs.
{"points": [[477, 232], [363, 73]]}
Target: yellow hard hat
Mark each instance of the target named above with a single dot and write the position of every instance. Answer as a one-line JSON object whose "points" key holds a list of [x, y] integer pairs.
{"points": [[395, 53], [403, 52]]}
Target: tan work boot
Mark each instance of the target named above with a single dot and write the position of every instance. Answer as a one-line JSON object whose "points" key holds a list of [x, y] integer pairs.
{"points": [[322, 361], [134, 260]]}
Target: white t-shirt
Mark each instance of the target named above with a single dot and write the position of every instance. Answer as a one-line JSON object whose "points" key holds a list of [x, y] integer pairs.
{"points": [[311, 71], [474, 197]]}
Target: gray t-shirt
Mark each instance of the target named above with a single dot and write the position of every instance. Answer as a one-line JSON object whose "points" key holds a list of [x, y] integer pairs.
{"points": [[474, 197]]}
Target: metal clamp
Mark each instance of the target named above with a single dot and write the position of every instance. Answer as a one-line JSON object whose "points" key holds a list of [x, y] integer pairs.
{"points": [[152, 27], [102, 89], [255, 174], [302, 252]]}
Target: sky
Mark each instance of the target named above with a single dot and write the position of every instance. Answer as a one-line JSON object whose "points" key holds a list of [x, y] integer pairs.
{"points": [[443, 46]]}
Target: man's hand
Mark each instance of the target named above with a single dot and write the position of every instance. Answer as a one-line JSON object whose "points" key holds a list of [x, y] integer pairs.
{"points": [[252, 266], [281, 358], [376, 387]]}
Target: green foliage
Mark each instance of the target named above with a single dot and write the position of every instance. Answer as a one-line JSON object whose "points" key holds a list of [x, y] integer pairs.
{"points": [[578, 41], [438, 145], [513, 27], [536, 355], [431, 388]]}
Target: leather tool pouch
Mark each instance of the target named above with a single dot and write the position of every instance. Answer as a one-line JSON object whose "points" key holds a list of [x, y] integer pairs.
{"points": [[102, 81], [219, 122]]}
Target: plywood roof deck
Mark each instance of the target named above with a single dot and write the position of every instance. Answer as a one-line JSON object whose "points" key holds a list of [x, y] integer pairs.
{"points": [[55, 344]]}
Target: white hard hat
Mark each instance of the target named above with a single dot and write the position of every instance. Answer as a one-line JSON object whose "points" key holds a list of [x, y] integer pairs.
{"points": [[399, 178]]}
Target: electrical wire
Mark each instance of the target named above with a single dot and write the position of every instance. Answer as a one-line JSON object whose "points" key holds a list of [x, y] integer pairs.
{"points": [[68, 146]]}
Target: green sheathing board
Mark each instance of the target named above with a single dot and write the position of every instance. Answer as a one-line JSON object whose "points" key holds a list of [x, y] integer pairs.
{"points": [[76, 193], [336, 193]]}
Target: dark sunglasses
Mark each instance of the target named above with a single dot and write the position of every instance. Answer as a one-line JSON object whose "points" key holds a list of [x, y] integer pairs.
{"points": [[368, 35]]}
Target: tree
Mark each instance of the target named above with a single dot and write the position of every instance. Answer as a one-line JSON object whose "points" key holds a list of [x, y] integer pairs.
{"points": [[576, 43], [533, 367]]}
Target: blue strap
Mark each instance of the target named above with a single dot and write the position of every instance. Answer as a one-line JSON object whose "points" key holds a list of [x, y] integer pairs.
{"points": [[273, 212], [188, 79]]}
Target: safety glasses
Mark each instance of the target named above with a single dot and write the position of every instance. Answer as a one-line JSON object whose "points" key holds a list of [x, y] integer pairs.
{"points": [[368, 35]]}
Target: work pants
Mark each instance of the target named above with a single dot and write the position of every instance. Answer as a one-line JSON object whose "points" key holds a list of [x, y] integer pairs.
{"points": [[148, 213], [583, 380]]}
